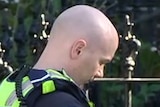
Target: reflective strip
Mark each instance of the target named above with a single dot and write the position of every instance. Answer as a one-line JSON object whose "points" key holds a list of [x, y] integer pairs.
{"points": [[11, 99], [40, 79], [26, 86]]}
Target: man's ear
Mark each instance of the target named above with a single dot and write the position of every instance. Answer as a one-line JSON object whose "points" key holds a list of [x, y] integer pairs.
{"points": [[77, 48]]}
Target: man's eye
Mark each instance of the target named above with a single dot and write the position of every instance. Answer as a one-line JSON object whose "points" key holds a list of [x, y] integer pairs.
{"points": [[102, 63]]}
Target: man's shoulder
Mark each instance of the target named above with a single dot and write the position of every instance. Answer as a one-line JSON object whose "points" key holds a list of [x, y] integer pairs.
{"points": [[57, 99]]}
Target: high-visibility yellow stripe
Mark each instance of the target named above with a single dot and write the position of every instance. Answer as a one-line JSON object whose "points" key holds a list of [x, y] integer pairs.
{"points": [[6, 89], [26, 87], [58, 75], [48, 86], [91, 104]]}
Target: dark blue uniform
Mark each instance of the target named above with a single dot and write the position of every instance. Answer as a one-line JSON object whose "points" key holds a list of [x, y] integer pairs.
{"points": [[67, 93], [58, 99]]}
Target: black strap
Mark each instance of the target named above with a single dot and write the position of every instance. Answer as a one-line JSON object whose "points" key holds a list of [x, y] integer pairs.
{"points": [[18, 84]]}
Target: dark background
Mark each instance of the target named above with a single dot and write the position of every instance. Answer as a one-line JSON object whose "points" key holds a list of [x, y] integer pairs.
{"points": [[23, 41]]}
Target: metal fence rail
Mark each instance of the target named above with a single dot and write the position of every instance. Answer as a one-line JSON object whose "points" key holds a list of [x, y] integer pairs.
{"points": [[128, 82]]}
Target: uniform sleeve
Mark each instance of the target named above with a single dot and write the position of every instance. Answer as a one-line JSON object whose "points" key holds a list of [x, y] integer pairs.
{"points": [[57, 99]]}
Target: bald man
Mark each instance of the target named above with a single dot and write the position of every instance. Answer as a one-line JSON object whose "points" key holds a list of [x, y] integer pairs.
{"points": [[82, 40]]}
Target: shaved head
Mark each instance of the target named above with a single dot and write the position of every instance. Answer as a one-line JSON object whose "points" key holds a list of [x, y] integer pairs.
{"points": [[79, 22], [79, 34]]}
